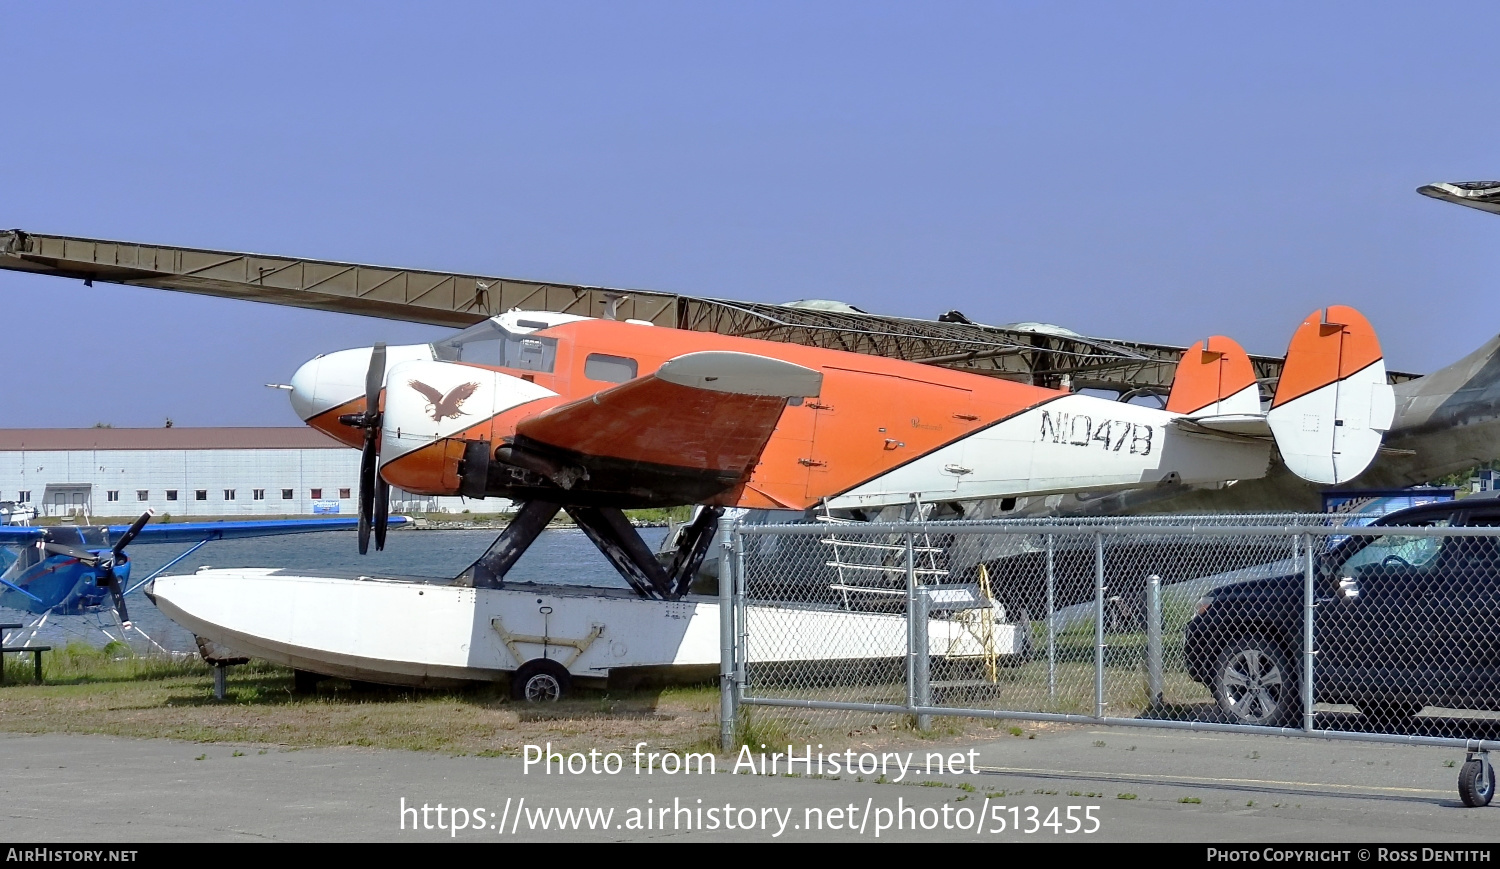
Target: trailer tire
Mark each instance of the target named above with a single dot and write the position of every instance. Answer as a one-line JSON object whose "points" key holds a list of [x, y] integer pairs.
{"points": [[1476, 783], [540, 680], [305, 681]]}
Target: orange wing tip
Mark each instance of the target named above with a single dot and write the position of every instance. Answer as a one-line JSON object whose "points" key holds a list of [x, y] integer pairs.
{"points": [[1332, 344], [1214, 377]]}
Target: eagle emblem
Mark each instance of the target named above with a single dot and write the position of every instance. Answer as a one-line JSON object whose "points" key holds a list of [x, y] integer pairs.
{"points": [[440, 406]]}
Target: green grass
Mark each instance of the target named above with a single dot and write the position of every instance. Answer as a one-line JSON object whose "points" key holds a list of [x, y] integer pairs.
{"points": [[108, 691]]}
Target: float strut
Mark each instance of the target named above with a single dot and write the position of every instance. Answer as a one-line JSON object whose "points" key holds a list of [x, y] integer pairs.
{"points": [[489, 571], [695, 540], [623, 546]]}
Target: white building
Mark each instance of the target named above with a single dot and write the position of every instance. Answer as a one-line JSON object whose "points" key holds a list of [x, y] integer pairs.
{"points": [[191, 472]]}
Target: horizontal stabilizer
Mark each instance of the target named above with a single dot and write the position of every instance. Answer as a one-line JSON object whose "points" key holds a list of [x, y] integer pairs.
{"points": [[741, 374], [1242, 425], [1333, 404], [1214, 378]]}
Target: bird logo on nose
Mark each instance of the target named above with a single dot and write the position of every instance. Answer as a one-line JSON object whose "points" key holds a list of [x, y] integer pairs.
{"points": [[440, 406]]}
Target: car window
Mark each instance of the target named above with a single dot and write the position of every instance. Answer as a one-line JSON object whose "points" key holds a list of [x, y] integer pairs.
{"points": [[1391, 553]]}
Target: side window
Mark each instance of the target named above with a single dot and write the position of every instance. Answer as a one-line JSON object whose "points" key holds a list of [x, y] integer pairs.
{"points": [[609, 369], [1396, 555]]}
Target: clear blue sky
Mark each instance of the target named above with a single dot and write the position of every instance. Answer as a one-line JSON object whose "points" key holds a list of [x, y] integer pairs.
{"points": [[1159, 171]]}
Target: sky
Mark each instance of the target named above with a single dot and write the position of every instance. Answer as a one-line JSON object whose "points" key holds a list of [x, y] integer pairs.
{"points": [[1150, 171]]}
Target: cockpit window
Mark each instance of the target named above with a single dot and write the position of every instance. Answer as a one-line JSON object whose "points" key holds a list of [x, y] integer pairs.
{"points": [[488, 343]]}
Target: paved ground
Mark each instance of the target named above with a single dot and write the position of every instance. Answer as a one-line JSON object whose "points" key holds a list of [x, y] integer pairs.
{"points": [[1186, 787]]}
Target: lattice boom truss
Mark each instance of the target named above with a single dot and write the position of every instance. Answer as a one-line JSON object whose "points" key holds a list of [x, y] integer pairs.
{"points": [[450, 299]]}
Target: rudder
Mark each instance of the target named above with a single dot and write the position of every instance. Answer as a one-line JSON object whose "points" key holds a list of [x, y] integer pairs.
{"points": [[1214, 378], [1332, 404]]}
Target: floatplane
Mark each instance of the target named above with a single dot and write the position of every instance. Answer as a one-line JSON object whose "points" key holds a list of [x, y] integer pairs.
{"points": [[594, 416]]}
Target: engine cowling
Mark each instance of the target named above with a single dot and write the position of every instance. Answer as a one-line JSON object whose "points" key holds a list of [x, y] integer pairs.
{"points": [[434, 413]]}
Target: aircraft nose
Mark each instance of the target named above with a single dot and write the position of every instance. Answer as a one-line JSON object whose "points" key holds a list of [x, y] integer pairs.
{"points": [[334, 379], [329, 381], [305, 390]]}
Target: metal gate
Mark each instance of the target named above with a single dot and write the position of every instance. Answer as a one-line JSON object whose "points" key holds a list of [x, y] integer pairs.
{"points": [[1287, 625]]}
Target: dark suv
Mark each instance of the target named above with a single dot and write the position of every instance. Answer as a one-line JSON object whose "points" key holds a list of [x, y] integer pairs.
{"points": [[1401, 622]]}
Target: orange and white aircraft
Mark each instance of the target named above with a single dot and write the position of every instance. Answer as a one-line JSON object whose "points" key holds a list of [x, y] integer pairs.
{"points": [[594, 416]]}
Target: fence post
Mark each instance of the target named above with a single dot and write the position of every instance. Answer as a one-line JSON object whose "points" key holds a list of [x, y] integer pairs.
{"points": [[911, 623], [1098, 625], [727, 712], [1051, 624], [1154, 675], [1308, 652], [741, 622], [923, 689]]}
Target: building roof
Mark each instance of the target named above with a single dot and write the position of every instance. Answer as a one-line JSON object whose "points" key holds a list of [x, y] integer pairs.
{"points": [[175, 438]]}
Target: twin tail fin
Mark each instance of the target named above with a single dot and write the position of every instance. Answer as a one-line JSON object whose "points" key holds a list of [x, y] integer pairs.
{"points": [[1332, 404]]}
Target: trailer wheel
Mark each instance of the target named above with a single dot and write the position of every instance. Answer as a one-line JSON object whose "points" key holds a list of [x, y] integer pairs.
{"points": [[305, 681], [1476, 783], [540, 681]]}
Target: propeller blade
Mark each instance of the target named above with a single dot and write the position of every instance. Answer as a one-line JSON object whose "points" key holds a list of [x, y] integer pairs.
{"points": [[131, 532], [118, 594], [382, 510], [83, 555], [374, 380], [367, 479]]}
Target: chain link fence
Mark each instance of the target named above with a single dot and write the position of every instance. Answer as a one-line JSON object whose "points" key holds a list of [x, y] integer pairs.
{"points": [[1284, 624]]}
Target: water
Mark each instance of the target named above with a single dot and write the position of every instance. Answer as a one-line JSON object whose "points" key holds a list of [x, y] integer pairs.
{"points": [[560, 556]]}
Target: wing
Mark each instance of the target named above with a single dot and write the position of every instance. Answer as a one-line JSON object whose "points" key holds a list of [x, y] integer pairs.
{"points": [[18, 535], [432, 395], [193, 532], [690, 430]]}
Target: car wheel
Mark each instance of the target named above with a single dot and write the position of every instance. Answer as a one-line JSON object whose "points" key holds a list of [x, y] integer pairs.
{"points": [[1476, 783], [540, 681], [1256, 684]]}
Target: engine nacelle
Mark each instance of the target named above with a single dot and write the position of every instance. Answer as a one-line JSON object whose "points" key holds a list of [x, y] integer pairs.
{"points": [[433, 412]]}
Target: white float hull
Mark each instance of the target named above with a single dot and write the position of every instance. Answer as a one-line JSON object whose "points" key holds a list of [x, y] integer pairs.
{"points": [[408, 632]]}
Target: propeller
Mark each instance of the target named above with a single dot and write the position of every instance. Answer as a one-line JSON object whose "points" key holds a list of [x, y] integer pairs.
{"points": [[382, 510], [373, 491], [107, 561], [117, 556]]}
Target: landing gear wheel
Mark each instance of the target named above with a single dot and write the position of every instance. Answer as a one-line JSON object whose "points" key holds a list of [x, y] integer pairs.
{"points": [[540, 681], [1256, 684], [1476, 783]]}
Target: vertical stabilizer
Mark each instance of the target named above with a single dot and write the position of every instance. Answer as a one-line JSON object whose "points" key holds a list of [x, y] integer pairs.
{"points": [[1214, 378], [1333, 403]]}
